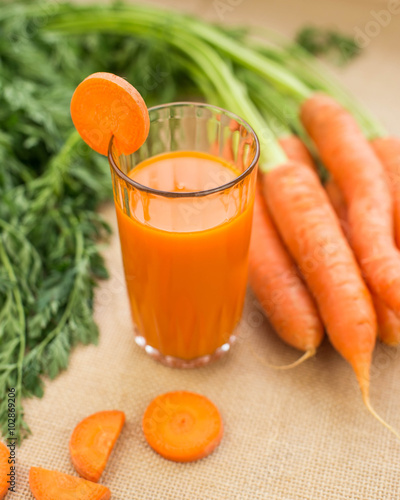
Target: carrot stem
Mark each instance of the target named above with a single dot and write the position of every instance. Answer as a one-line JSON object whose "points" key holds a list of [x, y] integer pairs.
{"points": [[197, 50], [22, 329], [286, 66]]}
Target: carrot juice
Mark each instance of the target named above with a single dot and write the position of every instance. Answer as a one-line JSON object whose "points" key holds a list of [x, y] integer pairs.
{"points": [[186, 287], [184, 220]]}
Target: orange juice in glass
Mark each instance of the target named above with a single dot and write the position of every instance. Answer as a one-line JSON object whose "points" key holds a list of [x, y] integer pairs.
{"points": [[184, 206]]}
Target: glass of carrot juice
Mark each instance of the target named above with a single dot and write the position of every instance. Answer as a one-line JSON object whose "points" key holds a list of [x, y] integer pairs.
{"points": [[184, 205]]}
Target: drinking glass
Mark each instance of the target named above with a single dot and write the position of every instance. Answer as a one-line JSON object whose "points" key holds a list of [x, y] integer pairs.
{"points": [[185, 252]]}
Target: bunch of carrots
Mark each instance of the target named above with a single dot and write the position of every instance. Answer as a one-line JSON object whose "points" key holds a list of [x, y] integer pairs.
{"points": [[335, 247], [309, 274]]}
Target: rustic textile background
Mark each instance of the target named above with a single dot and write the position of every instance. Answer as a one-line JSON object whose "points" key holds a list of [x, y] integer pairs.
{"points": [[298, 435]]}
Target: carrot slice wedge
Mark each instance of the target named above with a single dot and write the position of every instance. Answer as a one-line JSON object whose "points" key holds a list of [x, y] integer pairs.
{"points": [[92, 442], [182, 426], [4, 470], [104, 105], [53, 485]]}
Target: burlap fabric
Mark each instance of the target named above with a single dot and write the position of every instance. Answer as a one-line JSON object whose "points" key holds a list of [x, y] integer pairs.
{"points": [[297, 435]]}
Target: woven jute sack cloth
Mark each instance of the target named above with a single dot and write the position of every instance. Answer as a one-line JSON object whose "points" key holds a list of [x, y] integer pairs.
{"points": [[302, 434]]}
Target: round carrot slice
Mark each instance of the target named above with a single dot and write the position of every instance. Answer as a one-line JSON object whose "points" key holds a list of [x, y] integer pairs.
{"points": [[51, 485], [4, 469], [92, 442], [104, 105], [182, 426]]}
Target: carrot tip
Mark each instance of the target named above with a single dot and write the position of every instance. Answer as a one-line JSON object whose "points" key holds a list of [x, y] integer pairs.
{"points": [[378, 417], [307, 355]]}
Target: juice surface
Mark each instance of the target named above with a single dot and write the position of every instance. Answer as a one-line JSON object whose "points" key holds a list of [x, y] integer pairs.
{"points": [[185, 259]]}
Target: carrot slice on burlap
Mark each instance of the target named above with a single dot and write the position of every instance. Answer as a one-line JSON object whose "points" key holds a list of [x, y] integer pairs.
{"points": [[182, 426], [53, 485], [92, 442]]}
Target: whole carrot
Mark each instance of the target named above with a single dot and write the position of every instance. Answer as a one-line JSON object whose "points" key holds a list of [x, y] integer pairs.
{"points": [[360, 176], [278, 286], [388, 322], [388, 151], [312, 233]]}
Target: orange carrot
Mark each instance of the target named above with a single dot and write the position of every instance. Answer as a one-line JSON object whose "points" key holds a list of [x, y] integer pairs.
{"points": [[296, 150], [4, 470], [92, 441], [182, 426], [277, 284], [311, 231], [360, 176], [388, 322], [273, 275], [52, 485], [337, 201], [104, 105], [388, 151]]}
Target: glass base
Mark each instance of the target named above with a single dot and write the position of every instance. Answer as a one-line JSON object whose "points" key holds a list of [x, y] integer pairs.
{"points": [[173, 362]]}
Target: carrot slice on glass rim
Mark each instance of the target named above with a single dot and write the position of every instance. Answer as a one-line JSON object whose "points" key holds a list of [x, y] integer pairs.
{"points": [[182, 426], [104, 105], [53, 485], [92, 442]]}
